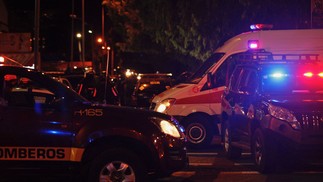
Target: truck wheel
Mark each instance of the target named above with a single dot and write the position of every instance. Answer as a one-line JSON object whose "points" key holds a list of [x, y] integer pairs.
{"points": [[263, 155], [199, 131], [231, 152], [117, 165]]}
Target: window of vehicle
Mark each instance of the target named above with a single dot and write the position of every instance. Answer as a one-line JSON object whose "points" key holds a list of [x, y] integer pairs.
{"points": [[234, 79], [206, 66], [244, 81], [223, 73], [248, 83], [24, 92]]}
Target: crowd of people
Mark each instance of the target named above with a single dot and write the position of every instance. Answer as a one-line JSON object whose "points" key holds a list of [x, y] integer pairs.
{"points": [[99, 89]]}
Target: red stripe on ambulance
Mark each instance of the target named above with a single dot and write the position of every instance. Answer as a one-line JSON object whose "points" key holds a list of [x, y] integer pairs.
{"points": [[214, 97]]}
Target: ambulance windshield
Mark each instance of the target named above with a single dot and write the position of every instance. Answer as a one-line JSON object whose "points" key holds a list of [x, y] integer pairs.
{"points": [[205, 68]]}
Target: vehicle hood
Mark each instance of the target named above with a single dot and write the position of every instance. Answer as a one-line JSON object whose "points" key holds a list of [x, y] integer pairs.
{"points": [[299, 102], [120, 114], [96, 120], [174, 92]]}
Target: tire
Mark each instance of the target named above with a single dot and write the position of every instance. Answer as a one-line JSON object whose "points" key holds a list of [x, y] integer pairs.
{"points": [[199, 131], [117, 165], [263, 153], [231, 152]]}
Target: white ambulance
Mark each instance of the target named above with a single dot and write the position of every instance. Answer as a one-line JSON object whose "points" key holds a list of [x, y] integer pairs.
{"points": [[196, 103]]}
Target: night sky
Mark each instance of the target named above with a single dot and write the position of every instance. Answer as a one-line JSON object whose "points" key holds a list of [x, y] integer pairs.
{"points": [[55, 22], [231, 19]]}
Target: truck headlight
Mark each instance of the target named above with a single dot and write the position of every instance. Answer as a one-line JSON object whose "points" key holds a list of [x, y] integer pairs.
{"points": [[169, 128], [164, 105], [285, 115]]}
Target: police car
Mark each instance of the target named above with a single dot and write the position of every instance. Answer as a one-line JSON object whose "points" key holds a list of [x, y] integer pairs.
{"points": [[45, 125], [273, 107]]}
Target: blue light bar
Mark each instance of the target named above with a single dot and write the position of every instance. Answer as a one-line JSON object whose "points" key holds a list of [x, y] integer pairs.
{"points": [[278, 75]]}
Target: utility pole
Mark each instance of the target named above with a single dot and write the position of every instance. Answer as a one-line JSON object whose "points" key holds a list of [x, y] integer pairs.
{"points": [[83, 35], [73, 16], [36, 34]]}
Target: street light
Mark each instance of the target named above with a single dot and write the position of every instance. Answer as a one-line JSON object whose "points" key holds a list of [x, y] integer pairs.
{"points": [[99, 40], [79, 37]]}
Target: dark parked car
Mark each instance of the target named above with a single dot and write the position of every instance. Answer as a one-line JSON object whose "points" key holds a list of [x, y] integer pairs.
{"points": [[273, 108], [149, 85], [48, 127]]}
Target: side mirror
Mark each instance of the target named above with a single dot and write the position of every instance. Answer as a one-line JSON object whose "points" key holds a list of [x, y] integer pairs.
{"points": [[210, 80]]}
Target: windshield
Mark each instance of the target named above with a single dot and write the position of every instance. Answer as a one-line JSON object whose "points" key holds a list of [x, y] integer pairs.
{"points": [[57, 87], [206, 66], [287, 79]]}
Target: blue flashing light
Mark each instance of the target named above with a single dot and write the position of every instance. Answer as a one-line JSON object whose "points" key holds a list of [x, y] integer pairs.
{"points": [[278, 75], [56, 132]]}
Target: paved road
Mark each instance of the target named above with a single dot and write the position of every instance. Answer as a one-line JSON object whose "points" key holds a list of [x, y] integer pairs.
{"points": [[212, 166]]}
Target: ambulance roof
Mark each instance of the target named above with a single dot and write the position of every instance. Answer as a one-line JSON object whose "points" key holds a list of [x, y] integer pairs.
{"points": [[304, 41]]}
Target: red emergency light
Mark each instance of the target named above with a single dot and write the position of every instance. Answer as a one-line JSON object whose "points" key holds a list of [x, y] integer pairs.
{"points": [[313, 75], [261, 27], [308, 74]]}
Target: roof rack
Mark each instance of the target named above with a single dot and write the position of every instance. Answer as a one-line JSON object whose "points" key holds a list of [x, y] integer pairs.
{"points": [[265, 57]]}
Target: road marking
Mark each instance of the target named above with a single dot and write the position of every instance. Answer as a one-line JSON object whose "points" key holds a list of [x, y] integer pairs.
{"points": [[239, 172], [256, 172], [309, 172], [184, 173], [244, 164], [201, 153], [245, 153], [201, 164]]}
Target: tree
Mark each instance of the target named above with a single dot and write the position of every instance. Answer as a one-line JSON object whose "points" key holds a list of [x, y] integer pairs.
{"points": [[192, 28]]}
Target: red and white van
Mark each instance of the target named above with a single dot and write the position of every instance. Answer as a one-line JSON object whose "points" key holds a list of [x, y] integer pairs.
{"points": [[196, 103]]}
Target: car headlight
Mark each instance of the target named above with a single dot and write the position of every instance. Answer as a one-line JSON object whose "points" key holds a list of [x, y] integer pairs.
{"points": [[164, 105], [284, 114], [169, 128]]}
